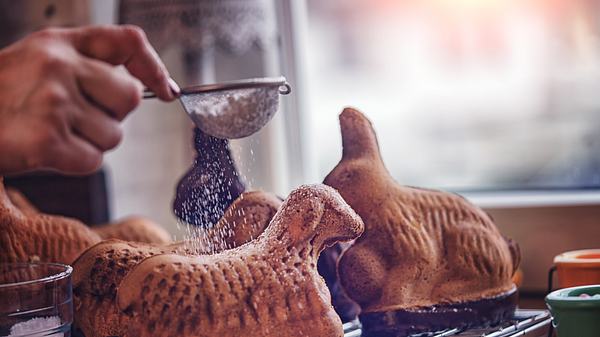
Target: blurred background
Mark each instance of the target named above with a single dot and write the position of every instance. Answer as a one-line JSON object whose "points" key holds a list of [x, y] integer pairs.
{"points": [[465, 94], [495, 99]]}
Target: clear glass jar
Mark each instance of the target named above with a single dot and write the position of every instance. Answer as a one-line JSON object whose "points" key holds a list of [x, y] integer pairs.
{"points": [[36, 299]]}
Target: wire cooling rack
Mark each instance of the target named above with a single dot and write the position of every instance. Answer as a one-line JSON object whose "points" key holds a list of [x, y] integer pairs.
{"points": [[525, 323]]}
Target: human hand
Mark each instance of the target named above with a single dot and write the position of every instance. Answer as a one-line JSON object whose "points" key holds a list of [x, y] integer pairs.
{"points": [[62, 95]]}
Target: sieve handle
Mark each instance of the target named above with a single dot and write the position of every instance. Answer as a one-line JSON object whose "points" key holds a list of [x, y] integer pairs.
{"points": [[284, 87]]}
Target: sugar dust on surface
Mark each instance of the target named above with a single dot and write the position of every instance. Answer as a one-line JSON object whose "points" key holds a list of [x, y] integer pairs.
{"points": [[206, 205]]}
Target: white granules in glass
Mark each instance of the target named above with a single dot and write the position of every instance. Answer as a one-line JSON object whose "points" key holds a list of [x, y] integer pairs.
{"points": [[37, 327]]}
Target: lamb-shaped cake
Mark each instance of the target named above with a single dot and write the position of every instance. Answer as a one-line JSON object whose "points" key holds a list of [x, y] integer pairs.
{"points": [[428, 259], [32, 236], [266, 287], [26, 234], [133, 228], [99, 271]]}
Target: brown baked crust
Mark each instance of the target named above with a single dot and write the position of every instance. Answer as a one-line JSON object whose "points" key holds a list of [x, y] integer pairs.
{"points": [[267, 287], [420, 247], [96, 276], [134, 228], [31, 236]]}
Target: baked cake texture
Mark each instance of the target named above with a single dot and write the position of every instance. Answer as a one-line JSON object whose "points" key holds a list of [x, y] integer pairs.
{"points": [[327, 267], [420, 247], [243, 221], [99, 271], [134, 228], [266, 287], [28, 235]]}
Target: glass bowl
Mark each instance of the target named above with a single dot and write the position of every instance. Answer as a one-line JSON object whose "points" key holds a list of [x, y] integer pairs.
{"points": [[35, 300]]}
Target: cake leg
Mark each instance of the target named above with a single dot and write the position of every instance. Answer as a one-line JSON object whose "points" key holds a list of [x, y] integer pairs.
{"points": [[362, 274]]}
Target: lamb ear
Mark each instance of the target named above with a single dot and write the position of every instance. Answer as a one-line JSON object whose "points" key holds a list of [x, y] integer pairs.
{"points": [[358, 136]]}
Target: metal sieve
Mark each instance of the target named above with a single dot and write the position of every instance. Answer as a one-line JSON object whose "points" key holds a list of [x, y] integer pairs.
{"points": [[234, 109]]}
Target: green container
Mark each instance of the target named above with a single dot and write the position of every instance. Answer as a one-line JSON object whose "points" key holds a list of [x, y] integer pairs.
{"points": [[575, 316]]}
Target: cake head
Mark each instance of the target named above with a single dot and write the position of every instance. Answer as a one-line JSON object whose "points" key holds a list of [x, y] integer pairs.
{"points": [[361, 169], [316, 214]]}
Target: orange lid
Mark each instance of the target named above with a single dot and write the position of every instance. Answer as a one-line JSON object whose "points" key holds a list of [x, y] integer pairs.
{"points": [[579, 256]]}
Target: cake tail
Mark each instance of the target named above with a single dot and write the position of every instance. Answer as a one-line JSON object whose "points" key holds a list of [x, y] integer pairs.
{"points": [[358, 136], [515, 253]]}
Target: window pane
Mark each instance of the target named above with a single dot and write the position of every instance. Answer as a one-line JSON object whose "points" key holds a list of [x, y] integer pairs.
{"points": [[464, 94]]}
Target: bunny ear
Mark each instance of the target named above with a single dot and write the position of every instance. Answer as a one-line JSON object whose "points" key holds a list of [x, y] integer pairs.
{"points": [[358, 137]]}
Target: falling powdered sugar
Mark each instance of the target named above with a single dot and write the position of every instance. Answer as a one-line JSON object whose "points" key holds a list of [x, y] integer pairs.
{"points": [[208, 190]]}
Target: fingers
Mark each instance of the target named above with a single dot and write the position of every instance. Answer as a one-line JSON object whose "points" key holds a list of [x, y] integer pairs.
{"points": [[96, 127], [129, 46], [79, 149], [113, 90], [74, 155]]}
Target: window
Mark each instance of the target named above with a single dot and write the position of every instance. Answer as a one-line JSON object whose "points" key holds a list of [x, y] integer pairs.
{"points": [[464, 94]]}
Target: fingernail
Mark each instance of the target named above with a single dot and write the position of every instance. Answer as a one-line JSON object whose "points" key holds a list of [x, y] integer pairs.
{"points": [[174, 87]]}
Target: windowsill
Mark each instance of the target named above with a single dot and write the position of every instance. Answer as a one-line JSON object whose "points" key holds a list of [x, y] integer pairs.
{"points": [[522, 199]]}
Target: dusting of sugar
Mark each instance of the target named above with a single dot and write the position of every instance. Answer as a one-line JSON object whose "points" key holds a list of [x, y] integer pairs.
{"points": [[223, 114], [199, 212]]}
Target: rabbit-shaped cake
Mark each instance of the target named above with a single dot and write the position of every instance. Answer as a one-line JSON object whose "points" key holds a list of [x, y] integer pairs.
{"points": [[421, 248]]}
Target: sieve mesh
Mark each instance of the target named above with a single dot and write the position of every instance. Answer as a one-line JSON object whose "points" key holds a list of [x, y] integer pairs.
{"points": [[233, 113]]}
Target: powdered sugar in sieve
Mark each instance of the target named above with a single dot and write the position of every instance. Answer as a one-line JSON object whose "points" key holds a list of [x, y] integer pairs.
{"points": [[233, 109], [233, 113]]}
